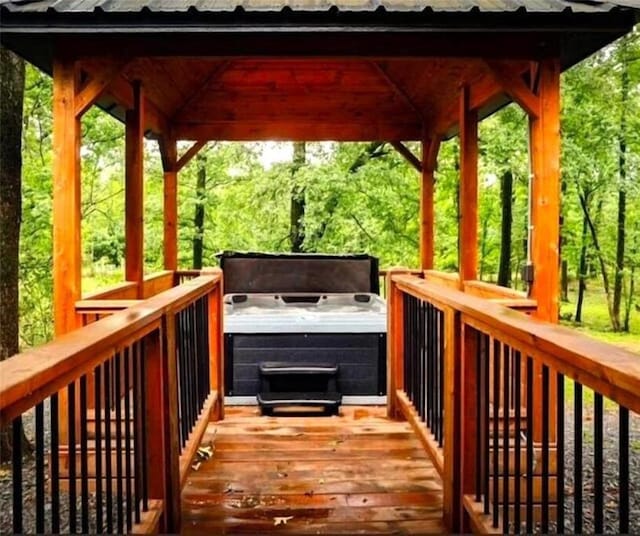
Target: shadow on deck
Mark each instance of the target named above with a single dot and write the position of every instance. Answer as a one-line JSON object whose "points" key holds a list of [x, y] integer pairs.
{"points": [[358, 473]]}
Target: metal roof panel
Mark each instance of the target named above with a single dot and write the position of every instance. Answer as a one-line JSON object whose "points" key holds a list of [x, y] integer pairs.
{"points": [[443, 6]]}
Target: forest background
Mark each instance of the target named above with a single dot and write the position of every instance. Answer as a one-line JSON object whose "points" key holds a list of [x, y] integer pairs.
{"points": [[340, 198]]}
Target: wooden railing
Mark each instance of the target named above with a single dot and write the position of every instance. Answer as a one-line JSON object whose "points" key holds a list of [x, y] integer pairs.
{"points": [[117, 467], [499, 400]]}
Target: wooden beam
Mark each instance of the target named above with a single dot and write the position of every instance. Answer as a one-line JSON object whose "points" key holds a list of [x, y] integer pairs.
{"points": [[545, 158], [408, 155], [189, 154], [67, 252], [514, 86], [134, 190], [98, 83], [468, 227], [314, 129], [170, 213], [398, 90], [427, 213], [430, 160]]}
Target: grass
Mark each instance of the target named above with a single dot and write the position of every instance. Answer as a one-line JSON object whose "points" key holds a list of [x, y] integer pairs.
{"points": [[596, 321]]}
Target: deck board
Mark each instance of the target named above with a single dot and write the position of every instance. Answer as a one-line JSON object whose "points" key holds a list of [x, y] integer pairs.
{"points": [[358, 473]]}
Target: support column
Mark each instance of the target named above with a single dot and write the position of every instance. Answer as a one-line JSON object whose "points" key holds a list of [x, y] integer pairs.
{"points": [[426, 207], [468, 226], [545, 213], [67, 253], [134, 190], [170, 240]]}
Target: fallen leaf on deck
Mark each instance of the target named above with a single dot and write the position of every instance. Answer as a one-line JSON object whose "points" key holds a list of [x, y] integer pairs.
{"points": [[309, 493], [281, 520], [195, 466], [321, 481]]}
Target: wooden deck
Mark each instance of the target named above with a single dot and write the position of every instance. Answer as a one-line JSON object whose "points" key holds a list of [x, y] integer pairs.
{"points": [[354, 474]]}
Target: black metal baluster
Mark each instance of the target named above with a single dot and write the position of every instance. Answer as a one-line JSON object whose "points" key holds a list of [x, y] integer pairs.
{"points": [[16, 473], [127, 435], [137, 432], [108, 451], [560, 454], [39, 459], [71, 421], [99, 420], [577, 458], [406, 341], [143, 424], [426, 377], [55, 464], [479, 414], [118, 408], [496, 431], [486, 372], [598, 486], [506, 420], [84, 464], [530, 451], [192, 363], [517, 406], [545, 450], [623, 475]]}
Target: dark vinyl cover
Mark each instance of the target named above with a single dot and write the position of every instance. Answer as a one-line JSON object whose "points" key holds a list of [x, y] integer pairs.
{"points": [[252, 272]]}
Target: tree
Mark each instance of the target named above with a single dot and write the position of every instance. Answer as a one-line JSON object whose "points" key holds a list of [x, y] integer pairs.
{"points": [[298, 201], [12, 72]]}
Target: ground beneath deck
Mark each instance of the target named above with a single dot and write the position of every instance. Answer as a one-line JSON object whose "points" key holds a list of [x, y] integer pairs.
{"points": [[354, 474]]}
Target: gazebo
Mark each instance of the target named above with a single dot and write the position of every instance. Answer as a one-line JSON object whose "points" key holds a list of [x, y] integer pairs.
{"points": [[465, 368]]}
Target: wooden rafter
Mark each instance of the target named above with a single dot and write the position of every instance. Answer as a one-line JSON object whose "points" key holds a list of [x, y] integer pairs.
{"points": [[408, 155], [97, 84], [514, 86], [398, 90], [189, 154], [201, 89]]}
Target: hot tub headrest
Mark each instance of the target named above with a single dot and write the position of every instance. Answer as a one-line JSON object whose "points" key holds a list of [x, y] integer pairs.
{"points": [[248, 272]]}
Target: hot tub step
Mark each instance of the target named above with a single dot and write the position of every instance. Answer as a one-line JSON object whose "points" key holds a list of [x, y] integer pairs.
{"points": [[328, 401], [273, 368]]}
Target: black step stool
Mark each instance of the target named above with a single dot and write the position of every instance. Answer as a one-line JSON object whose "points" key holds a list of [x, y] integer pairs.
{"points": [[307, 385]]}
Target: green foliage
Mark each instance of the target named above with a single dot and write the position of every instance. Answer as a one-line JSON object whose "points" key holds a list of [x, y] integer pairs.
{"points": [[359, 197]]}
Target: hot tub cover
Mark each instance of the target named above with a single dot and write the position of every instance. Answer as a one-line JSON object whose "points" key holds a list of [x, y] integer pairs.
{"points": [[251, 272]]}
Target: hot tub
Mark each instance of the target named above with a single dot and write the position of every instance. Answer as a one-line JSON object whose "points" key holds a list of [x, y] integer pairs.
{"points": [[345, 329]]}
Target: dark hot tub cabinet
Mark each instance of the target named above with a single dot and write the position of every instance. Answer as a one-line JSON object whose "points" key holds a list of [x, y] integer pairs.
{"points": [[311, 326]]}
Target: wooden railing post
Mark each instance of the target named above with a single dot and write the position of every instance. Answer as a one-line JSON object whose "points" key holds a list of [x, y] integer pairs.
{"points": [[395, 345], [452, 496], [216, 346], [162, 423]]}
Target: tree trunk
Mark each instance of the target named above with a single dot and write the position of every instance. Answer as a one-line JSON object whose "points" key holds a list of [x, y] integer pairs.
{"points": [[603, 267], [198, 218], [11, 101], [298, 201], [506, 199], [622, 194], [629, 300], [582, 271], [564, 280]]}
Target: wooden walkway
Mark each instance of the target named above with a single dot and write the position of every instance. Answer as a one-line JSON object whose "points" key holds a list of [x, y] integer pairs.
{"points": [[354, 474]]}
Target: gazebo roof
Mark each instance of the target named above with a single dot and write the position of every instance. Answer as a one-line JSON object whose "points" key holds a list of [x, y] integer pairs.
{"points": [[309, 69]]}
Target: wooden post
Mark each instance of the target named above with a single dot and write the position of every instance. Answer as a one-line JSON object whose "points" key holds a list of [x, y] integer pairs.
{"points": [[395, 345], [170, 205], [468, 229], [134, 191], [426, 208], [67, 245], [453, 466], [162, 422], [67, 253], [545, 213], [545, 218], [216, 346]]}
